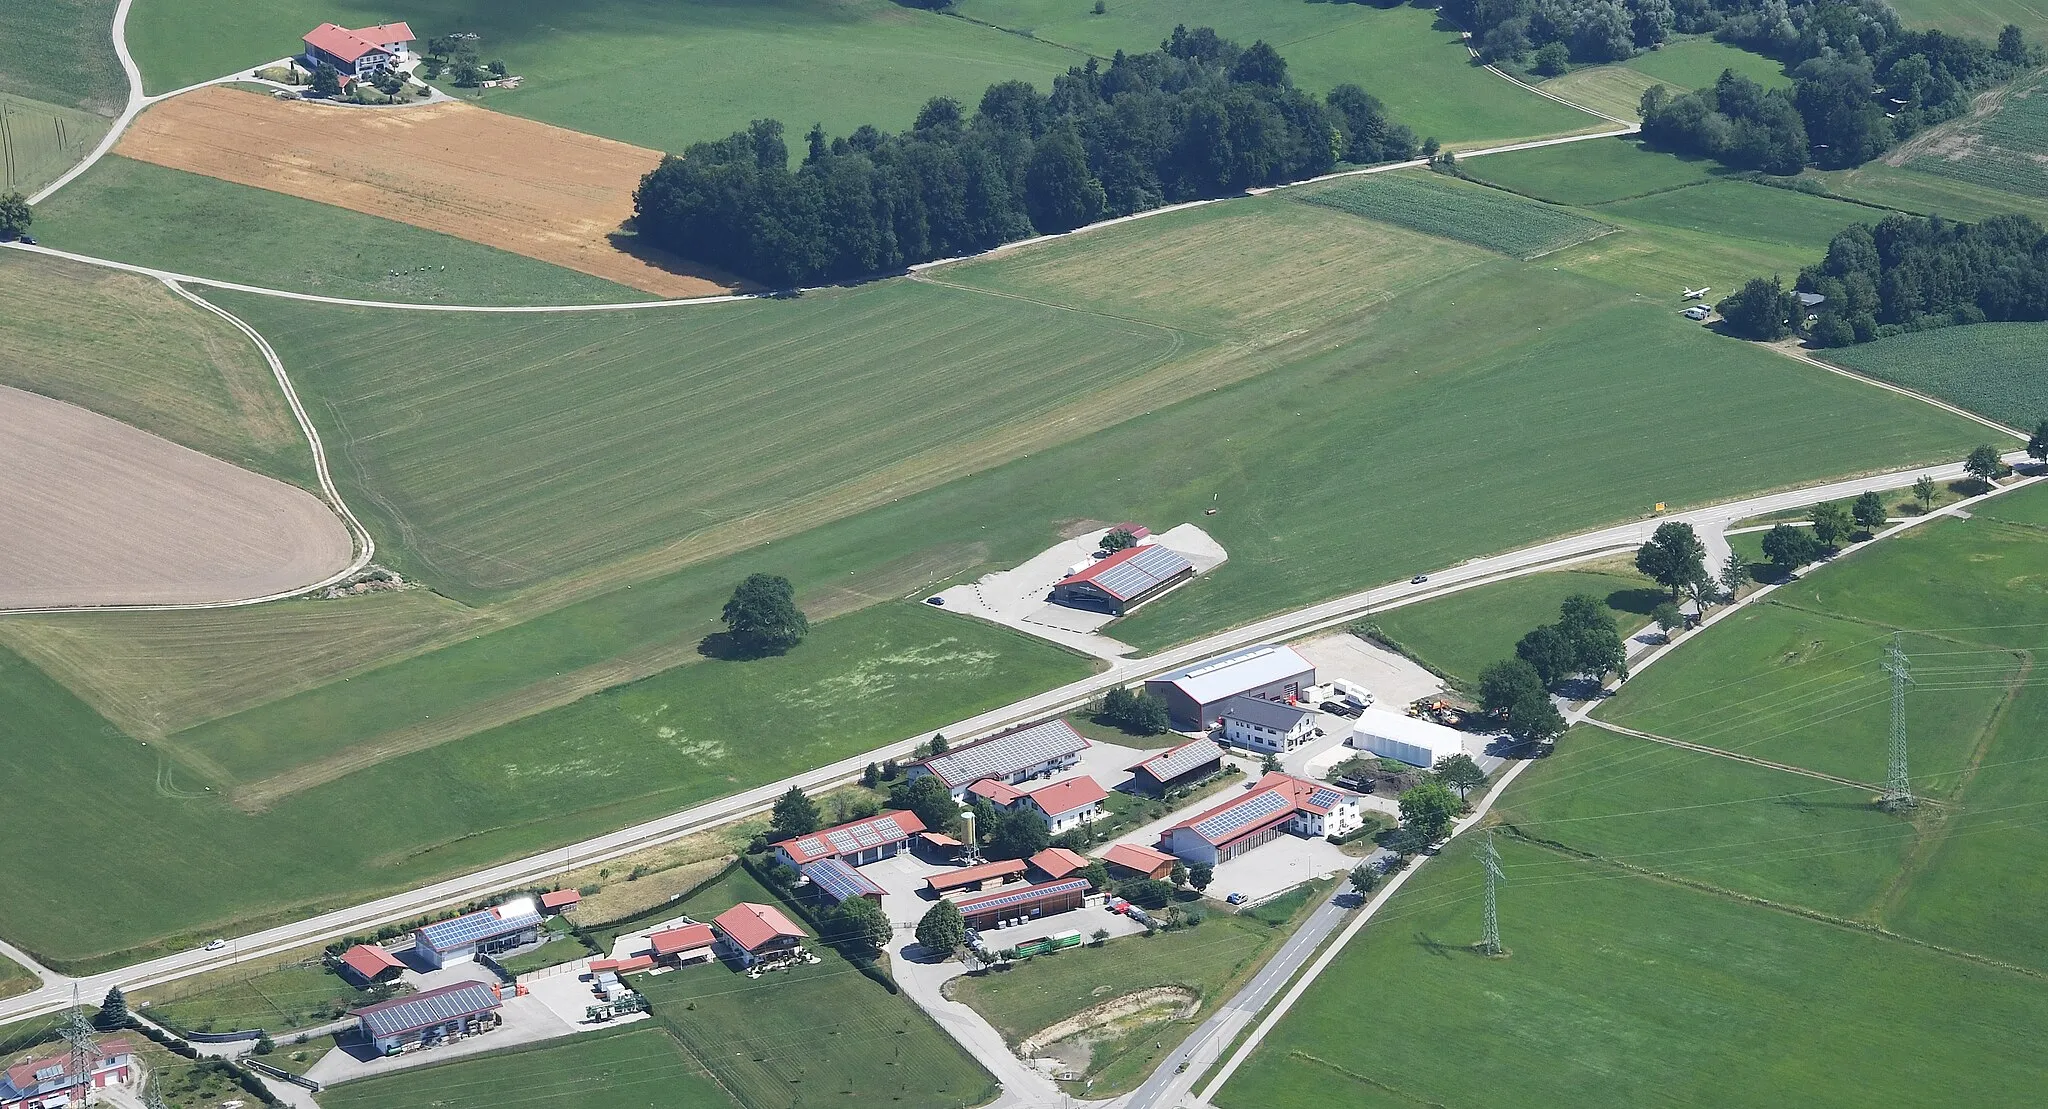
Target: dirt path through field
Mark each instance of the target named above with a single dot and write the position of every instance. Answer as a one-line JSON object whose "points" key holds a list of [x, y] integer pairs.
{"points": [[547, 193], [95, 512]]}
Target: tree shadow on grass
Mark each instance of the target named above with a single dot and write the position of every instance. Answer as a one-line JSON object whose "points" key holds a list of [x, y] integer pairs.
{"points": [[726, 647], [1641, 602]]}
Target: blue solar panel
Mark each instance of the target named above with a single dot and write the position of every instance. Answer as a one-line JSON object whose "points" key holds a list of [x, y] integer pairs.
{"points": [[840, 880], [472, 927], [407, 1014], [1324, 798], [1023, 896], [1182, 759], [1150, 566], [1245, 813], [1007, 754]]}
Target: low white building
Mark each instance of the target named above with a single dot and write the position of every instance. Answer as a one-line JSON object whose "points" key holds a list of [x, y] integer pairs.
{"points": [[1394, 736], [1267, 726]]}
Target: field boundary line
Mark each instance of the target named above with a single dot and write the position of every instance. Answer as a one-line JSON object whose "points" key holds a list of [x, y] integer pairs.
{"points": [[1703, 749], [1785, 347]]}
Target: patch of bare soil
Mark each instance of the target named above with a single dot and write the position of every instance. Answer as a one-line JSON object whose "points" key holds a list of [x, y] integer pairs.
{"points": [[525, 187], [95, 512], [1143, 1006]]}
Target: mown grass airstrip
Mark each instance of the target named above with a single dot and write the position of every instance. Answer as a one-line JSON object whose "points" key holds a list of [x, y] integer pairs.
{"points": [[1499, 221]]}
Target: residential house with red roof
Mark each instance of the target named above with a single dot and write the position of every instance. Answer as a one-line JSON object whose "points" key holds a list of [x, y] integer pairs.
{"points": [[48, 1082], [1066, 804], [750, 932], [1058, 862], [1276, 804], [360, 53]]}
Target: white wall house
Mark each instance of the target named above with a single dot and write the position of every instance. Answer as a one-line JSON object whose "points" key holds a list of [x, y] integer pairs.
{"points": [[359, 53], [1267, 726], [1066, 804]]}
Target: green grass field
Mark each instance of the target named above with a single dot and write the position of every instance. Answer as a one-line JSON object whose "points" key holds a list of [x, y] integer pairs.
{"points": [[149, 215], [1744, 211], [1031, 996], [1488, 218], [1981, 18], [1911, 190], [1597, 171], [1998, 370], [2006, 150], [638, 1066], [125, 346], [814, 1035], [276, 999], [641, 750], [1693, 63], [1465, 632], [1402, 55], [1624, 991], [15, 978], [39, 141], [62, 52]]}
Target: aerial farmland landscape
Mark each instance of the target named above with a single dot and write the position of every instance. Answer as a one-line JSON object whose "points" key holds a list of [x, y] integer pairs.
{"points": [[1154, 553]]}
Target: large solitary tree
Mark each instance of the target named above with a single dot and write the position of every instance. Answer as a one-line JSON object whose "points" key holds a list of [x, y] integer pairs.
{"points": [[1830, 524], [1535, 720], [15, 216], [861, 926], [1673, 556], [1983, 464], [762, 616], [795, 814], [326, 81], [2037, 443], [942, 930], [1869, 512], [1460, 773]]}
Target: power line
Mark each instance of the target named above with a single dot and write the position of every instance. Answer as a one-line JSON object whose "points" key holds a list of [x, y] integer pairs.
{"points": [[1489, 939]]}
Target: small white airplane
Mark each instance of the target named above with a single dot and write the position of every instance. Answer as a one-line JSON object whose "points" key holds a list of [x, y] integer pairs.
{"points": [[1695, 294]]}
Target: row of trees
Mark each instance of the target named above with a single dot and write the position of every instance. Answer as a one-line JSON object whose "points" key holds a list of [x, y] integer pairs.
{"points": [[1843, 109], [1200, 117]]}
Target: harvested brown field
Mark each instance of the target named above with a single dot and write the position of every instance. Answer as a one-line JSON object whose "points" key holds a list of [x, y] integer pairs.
{"points": [[547, 193], [94, 512]]}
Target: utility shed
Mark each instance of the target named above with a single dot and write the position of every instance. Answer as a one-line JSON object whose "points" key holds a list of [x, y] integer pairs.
{"points": [[1394, 736], [1014, 906], [1196, 695], [1187, 763]]}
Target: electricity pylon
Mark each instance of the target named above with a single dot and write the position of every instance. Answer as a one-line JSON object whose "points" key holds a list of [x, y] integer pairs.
{"points": [[1898, 785], [1489, 940], [84, 1050]]}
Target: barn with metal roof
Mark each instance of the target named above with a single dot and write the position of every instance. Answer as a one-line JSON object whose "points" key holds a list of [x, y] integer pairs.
{"points": [[1276, 804], [1016, 905], [1196, 695], [837, 882], [1034, 752], [1190, 762], [1124, 580], [447, 1013]]}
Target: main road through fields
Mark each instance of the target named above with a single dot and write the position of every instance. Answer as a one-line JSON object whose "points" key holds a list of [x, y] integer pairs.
{"points": [[1710, 521]]}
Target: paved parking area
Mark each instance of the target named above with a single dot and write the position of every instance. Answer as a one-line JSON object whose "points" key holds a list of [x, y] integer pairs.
{"points": [[568, 995], [1016, 597], [1394, 681]]}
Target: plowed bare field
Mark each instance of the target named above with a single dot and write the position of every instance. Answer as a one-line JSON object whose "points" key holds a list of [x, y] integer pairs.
{"points": [[507, 182], [94, 512]]}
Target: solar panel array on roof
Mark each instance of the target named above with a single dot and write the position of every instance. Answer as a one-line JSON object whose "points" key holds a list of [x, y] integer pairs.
{"points": [[1004, 755], [424, 1010], [1242, 815], [1182, 759], [839, 880], [1146, 569], [448, 934], [848, 839], [1023, 896], [1325, 798]]}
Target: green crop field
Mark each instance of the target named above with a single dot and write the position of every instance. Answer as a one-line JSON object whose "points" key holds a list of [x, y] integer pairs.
{"points": [[2005, 150], [125, 346], [1625, 991], [639, 1066], [1597, 171], [603, 763], [1498, 221], [1692, 63], [1028, 997], [1465, 632], [1998, 370], [1402, 55], [62, 52], [659, 75], [39, 141], [1980, 18], [813, 1035], [149, 215]]}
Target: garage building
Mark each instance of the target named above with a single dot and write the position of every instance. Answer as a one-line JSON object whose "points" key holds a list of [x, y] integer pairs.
{"points": [[1196, 696], [994, 910], [1394, 736], [1276, 805], [486, 931], [1183, 765], [682, 945], [1124, 580], [371, 964]]}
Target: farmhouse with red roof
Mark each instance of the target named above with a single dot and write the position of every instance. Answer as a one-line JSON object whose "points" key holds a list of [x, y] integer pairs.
{"points": [[749, 933], [359, 53]]}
